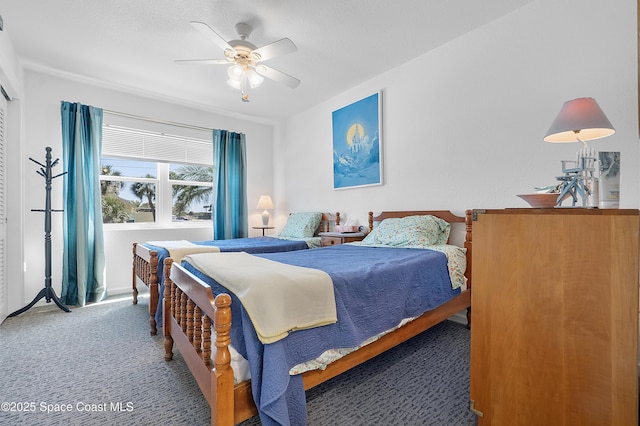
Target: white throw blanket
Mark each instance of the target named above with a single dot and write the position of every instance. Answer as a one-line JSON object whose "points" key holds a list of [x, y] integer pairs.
{"points": [[180, 248], [279, 298]]}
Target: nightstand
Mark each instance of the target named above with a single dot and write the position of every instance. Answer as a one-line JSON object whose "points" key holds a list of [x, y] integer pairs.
{"points": [[263, 228], [336, 238]]}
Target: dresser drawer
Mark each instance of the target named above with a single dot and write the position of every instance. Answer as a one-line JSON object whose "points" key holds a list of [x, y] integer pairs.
{"points": [[330, 241], [337, 238]]}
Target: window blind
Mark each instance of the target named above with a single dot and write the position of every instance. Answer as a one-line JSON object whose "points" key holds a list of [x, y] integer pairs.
{"points": [[159, 147]]}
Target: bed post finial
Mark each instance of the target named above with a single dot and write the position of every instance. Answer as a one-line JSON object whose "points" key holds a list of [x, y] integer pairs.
{"points": [[370, 221], [222, 325]]}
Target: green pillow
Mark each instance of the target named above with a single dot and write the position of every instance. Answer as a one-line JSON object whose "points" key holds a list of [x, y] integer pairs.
{"points": [[410, 231], [301, 225]]}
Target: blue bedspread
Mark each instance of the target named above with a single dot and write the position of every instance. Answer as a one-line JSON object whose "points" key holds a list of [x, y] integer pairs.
{"points": [[375, 288], [249, 245]]}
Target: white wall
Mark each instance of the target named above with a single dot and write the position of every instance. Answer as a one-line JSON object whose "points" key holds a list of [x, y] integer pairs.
{"points": [[463, 124], [42, 128]]}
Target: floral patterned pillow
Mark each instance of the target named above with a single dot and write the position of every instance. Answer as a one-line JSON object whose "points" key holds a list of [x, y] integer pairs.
{"points": [[301, 225], [410, 231]]}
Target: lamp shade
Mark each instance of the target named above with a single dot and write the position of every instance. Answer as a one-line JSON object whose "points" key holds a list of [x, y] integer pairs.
{"points": [[265, 203], [579, 120]]}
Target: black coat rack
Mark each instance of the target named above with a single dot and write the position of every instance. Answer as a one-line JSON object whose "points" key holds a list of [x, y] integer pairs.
{"points": [[47, 292]]}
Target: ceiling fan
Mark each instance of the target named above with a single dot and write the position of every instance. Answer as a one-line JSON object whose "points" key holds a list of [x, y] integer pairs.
{"points": [[245, 59]]}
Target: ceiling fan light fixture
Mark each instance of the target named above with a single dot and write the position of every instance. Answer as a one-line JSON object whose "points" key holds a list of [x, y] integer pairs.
{"points": [[235, 72], [254, 78], [230, 54], [236, 84]]}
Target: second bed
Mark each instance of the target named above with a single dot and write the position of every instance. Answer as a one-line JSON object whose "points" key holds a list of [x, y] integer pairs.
{"points": [[300, 233]]}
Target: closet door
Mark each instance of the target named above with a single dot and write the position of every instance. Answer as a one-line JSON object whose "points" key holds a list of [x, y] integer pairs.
{"points": [[3, 216]]}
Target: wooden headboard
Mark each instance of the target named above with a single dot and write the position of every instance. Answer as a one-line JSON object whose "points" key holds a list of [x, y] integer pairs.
{"points": [[442, 214], [328, 222]]}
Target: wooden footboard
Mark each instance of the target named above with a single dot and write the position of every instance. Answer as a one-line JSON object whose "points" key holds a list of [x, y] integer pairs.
{"points": [[145, 268], [189, 306]]}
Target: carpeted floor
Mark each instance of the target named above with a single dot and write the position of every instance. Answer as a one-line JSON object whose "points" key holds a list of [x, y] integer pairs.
{"points": [[98, 366]]}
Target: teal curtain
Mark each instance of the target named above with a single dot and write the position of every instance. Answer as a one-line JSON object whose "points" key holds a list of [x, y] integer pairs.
{"points": [[230, 218], [83, 266]]}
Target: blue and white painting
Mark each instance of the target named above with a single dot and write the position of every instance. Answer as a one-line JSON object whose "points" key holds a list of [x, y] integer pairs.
{"points": [[356, 144]]}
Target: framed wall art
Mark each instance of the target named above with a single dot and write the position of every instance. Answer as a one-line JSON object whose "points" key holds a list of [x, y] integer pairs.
{"points": [[357, 147]]}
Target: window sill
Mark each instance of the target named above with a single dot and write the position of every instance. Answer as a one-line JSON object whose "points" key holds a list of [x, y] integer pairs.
{"points": [[152, 226]]}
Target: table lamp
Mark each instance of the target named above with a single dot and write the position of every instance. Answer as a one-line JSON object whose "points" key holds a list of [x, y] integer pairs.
{"points": [[579, 120], [265, 203]]}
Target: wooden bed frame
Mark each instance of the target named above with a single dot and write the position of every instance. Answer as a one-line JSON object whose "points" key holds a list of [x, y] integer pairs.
{"points": [[145, 268], [190, 309]]}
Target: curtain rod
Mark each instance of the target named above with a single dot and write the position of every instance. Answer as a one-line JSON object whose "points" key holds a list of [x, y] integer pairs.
{"points": [[154, 120]]}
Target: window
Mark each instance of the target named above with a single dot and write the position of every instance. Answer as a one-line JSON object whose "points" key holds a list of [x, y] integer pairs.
{"points": [[154, 178]]}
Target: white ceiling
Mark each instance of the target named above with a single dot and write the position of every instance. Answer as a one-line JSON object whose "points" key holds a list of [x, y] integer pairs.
{"points": [[133, 43]]}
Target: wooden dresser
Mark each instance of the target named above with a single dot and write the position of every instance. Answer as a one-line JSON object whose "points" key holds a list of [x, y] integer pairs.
{"points": [[554, 318]]}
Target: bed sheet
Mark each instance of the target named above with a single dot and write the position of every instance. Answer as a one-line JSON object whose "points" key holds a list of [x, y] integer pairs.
{"points": [[375, 288], [248, 245]]}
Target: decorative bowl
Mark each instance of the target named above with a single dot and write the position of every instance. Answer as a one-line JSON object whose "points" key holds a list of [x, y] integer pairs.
{"points": [[541, 200]]}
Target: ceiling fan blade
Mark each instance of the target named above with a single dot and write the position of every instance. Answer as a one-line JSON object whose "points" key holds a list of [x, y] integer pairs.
{"points": [[213, 36], [277, 76], [277, 48], [203, 61]]}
